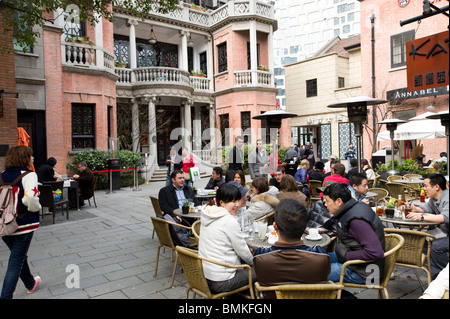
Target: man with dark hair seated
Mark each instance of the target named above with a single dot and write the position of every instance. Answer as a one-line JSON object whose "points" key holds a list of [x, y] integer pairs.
{"points": [[289, 261], [360, 235], [435, 210], [216, 179], [359, 187]]}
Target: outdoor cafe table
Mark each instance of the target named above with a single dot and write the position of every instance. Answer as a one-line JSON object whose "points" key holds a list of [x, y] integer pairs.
{"points": [[256, 242], [398, 222], [192, 214]]}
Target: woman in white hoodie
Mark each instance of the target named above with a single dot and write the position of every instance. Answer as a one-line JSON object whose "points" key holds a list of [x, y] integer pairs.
{"points": [[222, 240]]}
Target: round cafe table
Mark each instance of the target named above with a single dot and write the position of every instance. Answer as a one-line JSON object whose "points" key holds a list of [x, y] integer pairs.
{"points": [[193, 214], [256, 242], [398, 222]]}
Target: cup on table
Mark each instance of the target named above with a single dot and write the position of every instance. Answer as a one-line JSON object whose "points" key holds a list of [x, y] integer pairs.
{"points": [[380, 210], [314, 233], [262, 229]]}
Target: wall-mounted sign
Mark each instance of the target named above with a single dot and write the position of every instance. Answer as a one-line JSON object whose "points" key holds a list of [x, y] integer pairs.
{"points": [[403, 3], [427, 63]]}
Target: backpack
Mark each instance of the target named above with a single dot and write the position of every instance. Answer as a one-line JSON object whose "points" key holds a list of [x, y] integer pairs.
{"points": [[8, 207], [180, 235]]}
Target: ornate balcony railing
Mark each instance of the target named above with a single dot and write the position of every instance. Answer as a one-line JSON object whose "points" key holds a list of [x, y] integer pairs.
{"points": [[78, 54], [236, 8], [245, 78], [158, 75]]}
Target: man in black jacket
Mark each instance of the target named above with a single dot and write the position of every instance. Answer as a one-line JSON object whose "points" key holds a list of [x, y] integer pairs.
{"points": [[174, 195], [236, 155]]}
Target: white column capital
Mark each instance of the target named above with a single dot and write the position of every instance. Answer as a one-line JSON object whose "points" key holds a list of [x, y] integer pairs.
{"points": [[132, 22]]}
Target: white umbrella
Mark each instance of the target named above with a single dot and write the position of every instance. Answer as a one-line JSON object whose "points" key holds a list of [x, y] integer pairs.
{"points": [[415, 130]]}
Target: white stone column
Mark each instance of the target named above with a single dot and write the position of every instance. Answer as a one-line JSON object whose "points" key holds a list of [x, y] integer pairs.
{"points": [[98, 39], [152, 126], [184, 50], [135, 134], [187, 125], [253, 52], [132, 23], [209, 60], [212, 130], [197, 129]]}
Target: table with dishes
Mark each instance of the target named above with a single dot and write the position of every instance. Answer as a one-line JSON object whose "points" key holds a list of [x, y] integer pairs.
{"points": [[193, 212], [397, 222]]}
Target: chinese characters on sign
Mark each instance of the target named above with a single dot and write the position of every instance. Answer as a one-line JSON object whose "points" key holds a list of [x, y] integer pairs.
{"points": [[427, 62]]}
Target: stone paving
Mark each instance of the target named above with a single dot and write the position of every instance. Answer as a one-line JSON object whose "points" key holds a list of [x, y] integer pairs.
{"points": [[112, 250]]}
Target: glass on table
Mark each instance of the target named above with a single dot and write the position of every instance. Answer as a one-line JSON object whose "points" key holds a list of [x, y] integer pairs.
{"points": [[381, 209]]}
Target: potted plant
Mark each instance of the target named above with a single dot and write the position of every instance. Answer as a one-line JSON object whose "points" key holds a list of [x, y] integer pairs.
{"points": [[198, 73], [263, 68], [185, 207], [196, 7], [390, 207], [120, 64]]}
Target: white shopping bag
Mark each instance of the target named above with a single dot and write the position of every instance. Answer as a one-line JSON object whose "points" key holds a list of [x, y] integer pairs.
{"points": [[194, 173]]}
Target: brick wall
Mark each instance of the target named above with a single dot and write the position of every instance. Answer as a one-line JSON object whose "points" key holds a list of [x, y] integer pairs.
{"points": [[8, 123]]}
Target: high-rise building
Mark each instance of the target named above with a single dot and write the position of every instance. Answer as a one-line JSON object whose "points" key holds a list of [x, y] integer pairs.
{"points": [[306, 26]]}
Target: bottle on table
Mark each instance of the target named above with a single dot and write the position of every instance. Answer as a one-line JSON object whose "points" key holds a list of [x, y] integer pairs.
{"points": [[422, 196]]}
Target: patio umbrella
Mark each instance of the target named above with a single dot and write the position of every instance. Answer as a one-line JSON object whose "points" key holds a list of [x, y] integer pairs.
{"points": [[415, 130]]}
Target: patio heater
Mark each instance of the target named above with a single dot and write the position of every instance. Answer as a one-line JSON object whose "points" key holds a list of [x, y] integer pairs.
{"points": [[357, 113], [391, 126], [444, 117], [273, 120]]}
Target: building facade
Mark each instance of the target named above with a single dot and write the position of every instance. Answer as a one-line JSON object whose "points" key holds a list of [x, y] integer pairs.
{"points": [[187, 78], [304, 27], [389, 74], [331, 75]]}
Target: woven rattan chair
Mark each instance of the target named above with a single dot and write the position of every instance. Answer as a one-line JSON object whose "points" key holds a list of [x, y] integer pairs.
{"points": [[302, 291], [409, 176], [192, 265], [411, 254], [196, 229], [408, 193], [393, 178], [382, 194], [382, 183], [161, 226], [157, 210], [393, 243], [370, 183], [314, 184], [268, 218]]}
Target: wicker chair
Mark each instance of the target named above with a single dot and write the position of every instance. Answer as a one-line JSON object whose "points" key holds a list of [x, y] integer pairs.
{"points": [[268, 218], [393, 178], [192, 265], [383, 183], [157, 210], [313, 185], [165, 240], [411, 254], [393, 243], [382, 194], [327, 290], [409, 176], [370, 183], [408, 193], [196, 229]]}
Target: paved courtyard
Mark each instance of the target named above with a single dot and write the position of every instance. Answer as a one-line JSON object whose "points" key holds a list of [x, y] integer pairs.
{"points": [[112, 250]]}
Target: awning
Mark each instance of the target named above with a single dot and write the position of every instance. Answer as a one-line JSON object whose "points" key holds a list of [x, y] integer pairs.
{"points": [[415, 130]]}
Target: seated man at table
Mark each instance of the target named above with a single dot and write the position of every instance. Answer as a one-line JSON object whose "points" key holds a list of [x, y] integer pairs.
{"points": [[174, 195], [435, 210], [359, 187], [360, 235], [337, 174], [216, 179], [289, 260], [84, 181], [277, 177]]}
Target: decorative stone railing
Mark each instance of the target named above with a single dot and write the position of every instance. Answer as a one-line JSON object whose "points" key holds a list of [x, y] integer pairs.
{"points": [[85, 55], [245, 78]]}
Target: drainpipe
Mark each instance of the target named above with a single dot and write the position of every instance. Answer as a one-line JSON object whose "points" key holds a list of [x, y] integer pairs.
{"points": [[374, 123], [214, 157]]}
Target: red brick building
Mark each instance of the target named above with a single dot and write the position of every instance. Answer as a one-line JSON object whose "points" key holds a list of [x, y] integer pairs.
{"points": [[390, 72], [8, 110]]}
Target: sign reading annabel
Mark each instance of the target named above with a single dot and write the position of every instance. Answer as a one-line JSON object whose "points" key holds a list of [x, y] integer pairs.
{"points": [[427, 63]]}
